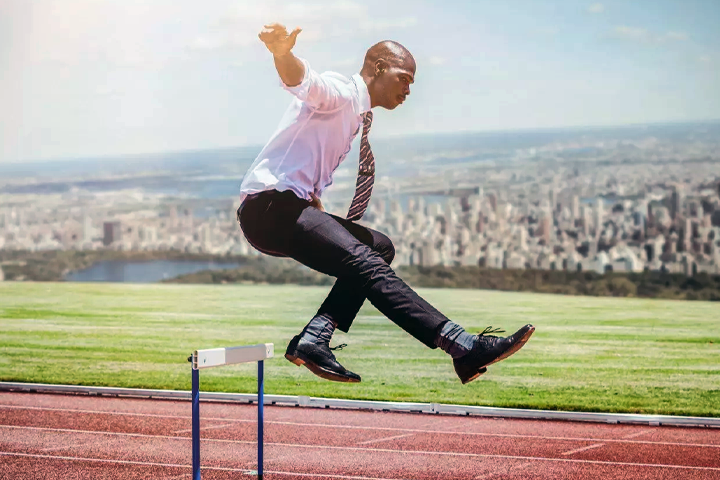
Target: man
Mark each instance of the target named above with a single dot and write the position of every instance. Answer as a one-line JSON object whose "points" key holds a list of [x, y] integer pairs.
{"points": [[281, 213]]}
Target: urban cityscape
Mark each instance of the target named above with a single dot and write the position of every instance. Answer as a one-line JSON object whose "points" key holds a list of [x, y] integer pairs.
{"points": [[588, 203]]}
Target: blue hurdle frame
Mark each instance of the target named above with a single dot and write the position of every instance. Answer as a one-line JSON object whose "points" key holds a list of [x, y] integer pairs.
{"points": [[196, 417]]}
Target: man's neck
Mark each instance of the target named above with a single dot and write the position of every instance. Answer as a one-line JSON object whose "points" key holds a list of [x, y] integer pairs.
{"points": [[368, 83]]}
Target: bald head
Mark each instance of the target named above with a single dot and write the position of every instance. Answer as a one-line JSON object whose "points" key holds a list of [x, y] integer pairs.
{"points": [[388, 70], [389, 51]]}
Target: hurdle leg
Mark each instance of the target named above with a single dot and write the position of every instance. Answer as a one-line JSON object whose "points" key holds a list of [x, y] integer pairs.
{"points": [[196, 424], [261, 401]]}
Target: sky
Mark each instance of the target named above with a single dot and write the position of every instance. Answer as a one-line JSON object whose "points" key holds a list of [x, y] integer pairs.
{"points": [[87, 78]]}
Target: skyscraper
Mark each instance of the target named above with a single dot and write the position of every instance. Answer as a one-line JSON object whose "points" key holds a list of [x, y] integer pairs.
{"points": [[687, 235], [676, 200], [493, 201], [575, 208], [112, 232], [599, 215], [87, 230]]}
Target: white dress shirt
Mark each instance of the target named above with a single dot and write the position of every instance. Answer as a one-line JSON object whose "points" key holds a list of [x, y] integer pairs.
{"points": [[314, 135]]}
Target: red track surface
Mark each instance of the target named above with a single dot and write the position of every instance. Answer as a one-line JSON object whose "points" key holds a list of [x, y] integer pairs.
{"points": [[79, 437]]}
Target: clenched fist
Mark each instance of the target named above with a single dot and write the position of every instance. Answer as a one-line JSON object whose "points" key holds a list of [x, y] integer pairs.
{"points": [[277, 40]]}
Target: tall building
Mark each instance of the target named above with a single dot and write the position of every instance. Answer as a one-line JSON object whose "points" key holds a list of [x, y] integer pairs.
{"points": [[2, 275], [205, 237], [173, 217], [599, 215], [586, 218], [676, 200], [87, 230], [523, 238], [547, 228], [112, 232], [575, 207], [492, 198], [480, 223], [687, 235]]}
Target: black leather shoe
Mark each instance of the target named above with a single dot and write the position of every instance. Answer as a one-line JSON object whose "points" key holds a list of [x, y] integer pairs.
{"points": [[319, 359], [489, 349]]}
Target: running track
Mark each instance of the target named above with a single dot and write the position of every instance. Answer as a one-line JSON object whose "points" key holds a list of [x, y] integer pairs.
{"points": [[46, 436]]}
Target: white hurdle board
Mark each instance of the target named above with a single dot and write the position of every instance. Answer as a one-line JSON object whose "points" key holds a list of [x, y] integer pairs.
{"points": [[217, 357]]}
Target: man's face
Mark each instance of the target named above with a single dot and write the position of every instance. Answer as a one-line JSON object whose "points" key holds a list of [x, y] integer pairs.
{"points": [[395, 81]]}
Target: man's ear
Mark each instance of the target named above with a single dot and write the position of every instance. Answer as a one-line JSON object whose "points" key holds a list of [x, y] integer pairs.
{"points": [[380, 66]]}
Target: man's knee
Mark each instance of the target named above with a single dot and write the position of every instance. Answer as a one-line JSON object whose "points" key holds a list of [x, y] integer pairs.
{"points": [[386, 249]]}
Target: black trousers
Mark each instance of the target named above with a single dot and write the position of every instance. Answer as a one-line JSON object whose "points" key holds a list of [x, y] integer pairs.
{"points": [[282, 225]]}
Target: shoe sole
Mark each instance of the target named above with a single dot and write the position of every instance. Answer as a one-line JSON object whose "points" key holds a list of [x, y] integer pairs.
{"points": [[515, 347], [319, 371], [480, 372]]}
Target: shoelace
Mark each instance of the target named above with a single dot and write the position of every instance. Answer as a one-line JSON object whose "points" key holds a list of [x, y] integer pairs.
{"points": [[489, 330], [339, 347]]}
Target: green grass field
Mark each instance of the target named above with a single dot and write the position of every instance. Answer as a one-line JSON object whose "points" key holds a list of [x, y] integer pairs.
{"points": [[588, 353]]}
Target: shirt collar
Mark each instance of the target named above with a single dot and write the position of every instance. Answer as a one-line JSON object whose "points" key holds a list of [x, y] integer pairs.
{"points": [[363, 94]]}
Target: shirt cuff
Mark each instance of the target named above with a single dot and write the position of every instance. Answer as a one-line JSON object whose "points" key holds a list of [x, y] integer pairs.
{"points": [[301, 90]]}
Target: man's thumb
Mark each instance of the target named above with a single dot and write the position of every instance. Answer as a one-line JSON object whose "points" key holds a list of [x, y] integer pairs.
{"points": [[295, 33]]}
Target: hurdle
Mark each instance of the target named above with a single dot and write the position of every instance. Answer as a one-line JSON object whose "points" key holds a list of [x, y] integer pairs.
{"points": [[218, 357]]}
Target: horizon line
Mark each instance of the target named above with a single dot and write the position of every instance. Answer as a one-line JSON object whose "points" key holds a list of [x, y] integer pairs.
{"points": [[379, 137]]}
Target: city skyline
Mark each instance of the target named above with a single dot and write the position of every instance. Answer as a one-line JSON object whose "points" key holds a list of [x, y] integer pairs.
{"points": [[599, 202]]}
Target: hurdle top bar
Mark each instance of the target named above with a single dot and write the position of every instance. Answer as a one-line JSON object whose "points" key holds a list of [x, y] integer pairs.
{"points": [[217, 357]]}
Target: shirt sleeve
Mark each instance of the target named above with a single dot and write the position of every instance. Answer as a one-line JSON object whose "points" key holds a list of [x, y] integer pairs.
{"points": [[321, 92]]}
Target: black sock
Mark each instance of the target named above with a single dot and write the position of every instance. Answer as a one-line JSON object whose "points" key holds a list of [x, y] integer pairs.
{"points": [[320, 329], [454, 340]]}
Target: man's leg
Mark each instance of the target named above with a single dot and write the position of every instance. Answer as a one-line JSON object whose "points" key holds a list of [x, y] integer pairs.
{"points": [[320, 242], [337, 311], [347, 297]]}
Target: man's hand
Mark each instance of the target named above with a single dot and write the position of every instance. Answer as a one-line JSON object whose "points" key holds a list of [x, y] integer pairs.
{"points": [[315, 202], [277, 40]]}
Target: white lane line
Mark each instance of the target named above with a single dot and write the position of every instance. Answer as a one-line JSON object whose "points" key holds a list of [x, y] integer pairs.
{"points": [[128, 414], [202, 429], [360, 427], [175, 465], [402, 452], [589, 447], [386, 439], [637, 434]]}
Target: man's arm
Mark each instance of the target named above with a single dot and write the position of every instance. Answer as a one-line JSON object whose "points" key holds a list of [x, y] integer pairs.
{"points": [[317, 91], [277, 40], [290, 69]]}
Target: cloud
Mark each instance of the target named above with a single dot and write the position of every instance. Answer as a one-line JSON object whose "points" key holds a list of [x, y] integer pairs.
{"points": [[107, 91], [679, 36], [375, 24], [705, 59], [549, 31], [631, 33], [434, 60], [642, 35], [596, 8], [238, 27], [347, 62]]}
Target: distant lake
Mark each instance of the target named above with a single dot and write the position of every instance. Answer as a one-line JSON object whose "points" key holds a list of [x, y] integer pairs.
{"points": [[144, 272]]}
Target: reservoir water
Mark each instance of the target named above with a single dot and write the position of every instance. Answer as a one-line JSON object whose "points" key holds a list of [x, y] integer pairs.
{"points": [[144, 272]]}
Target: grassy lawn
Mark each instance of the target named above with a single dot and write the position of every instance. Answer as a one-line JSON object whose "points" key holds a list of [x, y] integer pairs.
{"points": [[588, 353]]}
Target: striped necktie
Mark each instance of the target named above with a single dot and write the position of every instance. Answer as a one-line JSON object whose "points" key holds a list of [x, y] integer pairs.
{"points": [[366, 174]]}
